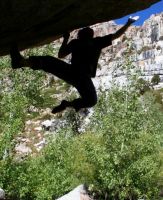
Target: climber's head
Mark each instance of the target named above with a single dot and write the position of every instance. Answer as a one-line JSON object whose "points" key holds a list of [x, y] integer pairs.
{"points": [[85, 33]]}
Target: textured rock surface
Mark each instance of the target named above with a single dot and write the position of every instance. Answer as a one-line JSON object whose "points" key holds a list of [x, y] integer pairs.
{"points": [[2, 194], [79, 193], [23, 148], [30, 23], [143, 45], [145, 51]]}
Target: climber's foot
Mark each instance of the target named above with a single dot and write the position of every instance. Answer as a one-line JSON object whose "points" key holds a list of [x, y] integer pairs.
{"points": [[16, 58], [61, 107]]}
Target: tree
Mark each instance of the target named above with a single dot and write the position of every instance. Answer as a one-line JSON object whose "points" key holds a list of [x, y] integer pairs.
{"points": [[155, 79]]}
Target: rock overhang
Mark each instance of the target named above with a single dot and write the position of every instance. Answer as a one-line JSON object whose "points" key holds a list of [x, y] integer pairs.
{"points": [[32, 23]]}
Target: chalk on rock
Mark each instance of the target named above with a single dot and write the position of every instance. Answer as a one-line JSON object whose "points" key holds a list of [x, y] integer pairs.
{"points": [[135, 18]]}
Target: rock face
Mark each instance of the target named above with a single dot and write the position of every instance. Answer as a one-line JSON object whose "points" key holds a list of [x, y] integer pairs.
{"points": [[79, 193], [30, 23], [142, 45], [2, 194]]}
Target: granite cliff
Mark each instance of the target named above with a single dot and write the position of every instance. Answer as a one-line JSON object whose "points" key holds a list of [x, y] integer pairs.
{"points": [[142, 45]]}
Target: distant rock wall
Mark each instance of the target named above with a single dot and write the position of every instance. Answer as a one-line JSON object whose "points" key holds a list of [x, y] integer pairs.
{"points": [[143, 45]]}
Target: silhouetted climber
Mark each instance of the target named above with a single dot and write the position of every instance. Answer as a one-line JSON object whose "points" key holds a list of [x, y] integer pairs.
{"points": [[85, 54]]}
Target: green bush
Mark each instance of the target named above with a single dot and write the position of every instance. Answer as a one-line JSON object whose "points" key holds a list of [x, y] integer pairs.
{"points": [[143, 86], [19, 90], [119, 156], [132, 128], [155, 79]]}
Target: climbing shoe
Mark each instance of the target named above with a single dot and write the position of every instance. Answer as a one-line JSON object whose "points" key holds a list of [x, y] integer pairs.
{"points": [[61, 107], [16, 58]]}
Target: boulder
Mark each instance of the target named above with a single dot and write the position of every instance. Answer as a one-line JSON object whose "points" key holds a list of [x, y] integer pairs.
{"points": [[2, 194], [22, 148], [31, 23], [79, 193]]}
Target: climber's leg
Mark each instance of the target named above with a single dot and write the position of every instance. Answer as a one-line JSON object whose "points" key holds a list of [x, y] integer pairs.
{"points": [[48, 64], [88, 98]]}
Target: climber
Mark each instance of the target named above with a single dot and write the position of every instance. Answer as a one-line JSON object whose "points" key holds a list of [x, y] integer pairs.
{"points": [[85, 52]]}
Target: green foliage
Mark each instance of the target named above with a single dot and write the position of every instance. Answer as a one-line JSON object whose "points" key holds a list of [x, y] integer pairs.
{"points": [[132, 130], [48, 49], [155, 79], [119, 156], [20, 89], [143, 86]]}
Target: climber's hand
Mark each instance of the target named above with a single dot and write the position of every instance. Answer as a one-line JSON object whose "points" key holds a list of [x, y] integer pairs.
{"points": [[132, 19], [66, 35]]}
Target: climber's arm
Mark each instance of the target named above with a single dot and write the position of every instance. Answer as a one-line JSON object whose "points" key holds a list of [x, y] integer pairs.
{"points": [[123, 29], [107, 40], [65, 48]]}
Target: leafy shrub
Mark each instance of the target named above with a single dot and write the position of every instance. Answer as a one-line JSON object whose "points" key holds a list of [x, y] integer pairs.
{"points": [[143, 86], [119, 156], [155, 79], [132, 128], [19, 90]]}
